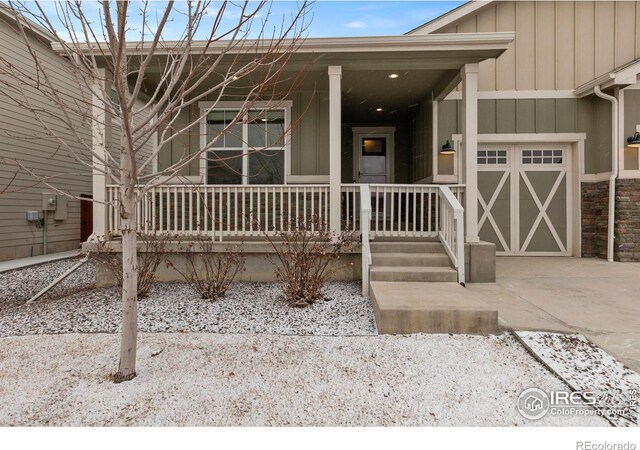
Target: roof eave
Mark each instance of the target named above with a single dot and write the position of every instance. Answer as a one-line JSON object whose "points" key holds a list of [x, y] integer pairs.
{"points": [[622, 77], [464, 41], [450, 17]]}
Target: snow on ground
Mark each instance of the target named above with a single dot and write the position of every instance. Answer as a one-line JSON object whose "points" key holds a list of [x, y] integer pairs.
{"points": [[18, 286], [587, 368], [218, 379], [175, 307]]}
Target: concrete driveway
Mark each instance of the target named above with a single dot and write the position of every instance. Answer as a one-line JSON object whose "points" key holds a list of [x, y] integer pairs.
{"points": [[590, 296]]}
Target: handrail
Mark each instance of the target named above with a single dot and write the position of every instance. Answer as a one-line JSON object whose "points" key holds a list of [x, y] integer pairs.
{"points": [[451, 231], [365, 223]]}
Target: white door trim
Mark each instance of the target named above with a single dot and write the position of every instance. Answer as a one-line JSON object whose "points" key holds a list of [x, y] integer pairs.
{"points": [[370, 132]]}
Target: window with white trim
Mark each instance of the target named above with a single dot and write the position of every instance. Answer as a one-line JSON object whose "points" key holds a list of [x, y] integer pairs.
{"points": [[252, 151], [546, 157], [492, 157]]}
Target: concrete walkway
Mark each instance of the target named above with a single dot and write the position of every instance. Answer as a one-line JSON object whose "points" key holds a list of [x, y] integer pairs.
{"points": [[6, 266], [590, 296]]}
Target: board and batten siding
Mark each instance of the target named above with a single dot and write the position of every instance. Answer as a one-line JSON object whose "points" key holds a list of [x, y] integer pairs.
{"points": [[590, 115], [309, 136], [558, 44], [23, 137]]}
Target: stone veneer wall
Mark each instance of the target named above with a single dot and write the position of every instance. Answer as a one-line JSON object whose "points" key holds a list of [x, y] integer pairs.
{"points": [[627, 228], [595, 204], [595, 201]]}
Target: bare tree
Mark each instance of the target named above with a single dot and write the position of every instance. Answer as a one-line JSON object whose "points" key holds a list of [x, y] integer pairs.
{"points": [[142, 87]]}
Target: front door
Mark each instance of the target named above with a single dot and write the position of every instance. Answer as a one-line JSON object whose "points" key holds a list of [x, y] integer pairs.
{"points": [[373, 159]]}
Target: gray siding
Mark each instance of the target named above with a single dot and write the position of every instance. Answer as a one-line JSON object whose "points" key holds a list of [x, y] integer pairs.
{"points": [[558, 45], [309, 136], [631, 119], [421, 143], [21, 136], [310, 133], [588, 115]]}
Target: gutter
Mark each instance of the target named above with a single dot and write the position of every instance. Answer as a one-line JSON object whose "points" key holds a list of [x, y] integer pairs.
{"points": [[614, 168]]}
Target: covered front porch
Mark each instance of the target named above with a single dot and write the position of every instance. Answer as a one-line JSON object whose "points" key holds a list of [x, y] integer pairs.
{"points": [[358, 150]]}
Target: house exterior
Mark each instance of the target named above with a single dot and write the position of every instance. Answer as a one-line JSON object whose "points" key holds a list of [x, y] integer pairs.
{"points": [[21, 136], [499, 122], [540, 96]]}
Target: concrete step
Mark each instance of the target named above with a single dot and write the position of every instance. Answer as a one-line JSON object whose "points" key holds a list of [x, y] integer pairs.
{"points": [[408, 273], [404, 308], [411, 259], [406, 247]]}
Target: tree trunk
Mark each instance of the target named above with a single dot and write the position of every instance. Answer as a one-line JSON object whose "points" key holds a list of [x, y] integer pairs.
{"points": [[129, 332]]}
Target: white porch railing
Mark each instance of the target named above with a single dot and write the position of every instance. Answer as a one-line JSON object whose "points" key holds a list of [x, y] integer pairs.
{"points": [[365, 223], [451, 231], [375, 211], [398, 210], [223, 210]]}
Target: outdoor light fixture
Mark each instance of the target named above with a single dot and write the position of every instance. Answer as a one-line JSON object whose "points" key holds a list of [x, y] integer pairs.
{"points": [[379, 109], [634, 141], [447, 149], [393, 75]]}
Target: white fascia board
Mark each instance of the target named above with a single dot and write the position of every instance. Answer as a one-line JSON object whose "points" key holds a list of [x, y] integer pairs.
{"points": [[440, 42], [452, 16]]}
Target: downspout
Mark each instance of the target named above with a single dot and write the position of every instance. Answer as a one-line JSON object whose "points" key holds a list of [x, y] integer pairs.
{"points": [[614, 169]]}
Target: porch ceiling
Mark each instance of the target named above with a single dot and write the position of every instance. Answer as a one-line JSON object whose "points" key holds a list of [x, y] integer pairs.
{"points": [[424, 63], [365, 91]]}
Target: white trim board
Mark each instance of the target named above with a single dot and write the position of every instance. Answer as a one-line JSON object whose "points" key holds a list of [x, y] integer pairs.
{"points": [[509, 95], [452, 16]]}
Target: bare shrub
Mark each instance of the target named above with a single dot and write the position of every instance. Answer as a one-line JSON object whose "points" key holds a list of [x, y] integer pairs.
{"points": [[303, 258], [210, 273], [152, 254]]}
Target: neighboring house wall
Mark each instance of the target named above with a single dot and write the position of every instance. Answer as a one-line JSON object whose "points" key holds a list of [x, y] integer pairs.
{"points": [[19, 238]]}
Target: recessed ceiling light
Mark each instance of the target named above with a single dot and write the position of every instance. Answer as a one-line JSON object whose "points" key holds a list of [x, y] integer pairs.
{"points": [[394, 75], [379, 109], [234, 78]]}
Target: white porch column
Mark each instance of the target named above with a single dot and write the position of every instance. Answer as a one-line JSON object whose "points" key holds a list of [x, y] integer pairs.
{"points": [[469, 74], [335, 145], [100, 139]]}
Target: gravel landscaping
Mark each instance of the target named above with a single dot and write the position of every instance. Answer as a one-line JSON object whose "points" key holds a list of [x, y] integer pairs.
{"points": [[587, 368], [175, 307], [18, 286], [224, 379]]}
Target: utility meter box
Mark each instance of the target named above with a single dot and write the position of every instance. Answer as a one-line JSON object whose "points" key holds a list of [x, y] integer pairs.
{"points": [[61, 208], [33, 216], [49, 201]]}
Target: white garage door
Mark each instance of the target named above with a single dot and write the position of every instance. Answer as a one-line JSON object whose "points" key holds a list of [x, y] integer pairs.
{"points": [[524, 203]]}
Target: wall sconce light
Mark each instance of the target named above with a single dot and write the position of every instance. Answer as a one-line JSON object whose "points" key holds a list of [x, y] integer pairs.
{"points": [[447, 149], [634, 141]]}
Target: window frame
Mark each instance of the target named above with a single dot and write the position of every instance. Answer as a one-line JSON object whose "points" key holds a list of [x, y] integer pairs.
{"points": [[497, 148], [282, 105]]}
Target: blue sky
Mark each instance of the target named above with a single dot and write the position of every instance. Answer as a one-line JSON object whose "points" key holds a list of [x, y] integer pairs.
{"points": [[329, 18], [370, 18]]}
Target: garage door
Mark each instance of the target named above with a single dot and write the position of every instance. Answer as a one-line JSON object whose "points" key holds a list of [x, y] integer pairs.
{"points": [[524, 203]]}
